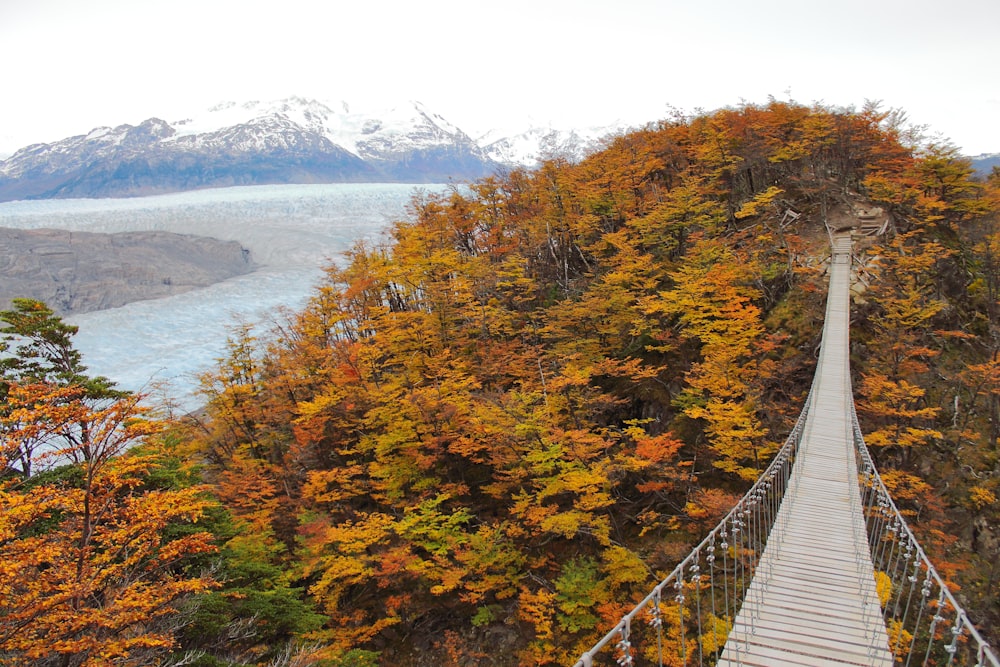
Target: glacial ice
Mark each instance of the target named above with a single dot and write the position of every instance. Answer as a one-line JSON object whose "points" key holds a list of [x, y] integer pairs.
{"points": [[292, 231]]}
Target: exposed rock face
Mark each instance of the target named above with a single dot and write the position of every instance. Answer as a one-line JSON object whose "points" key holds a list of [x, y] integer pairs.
{"points": [[77, 272]]}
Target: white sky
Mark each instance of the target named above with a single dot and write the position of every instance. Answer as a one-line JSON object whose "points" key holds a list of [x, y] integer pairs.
{"points": [[72, 65]]}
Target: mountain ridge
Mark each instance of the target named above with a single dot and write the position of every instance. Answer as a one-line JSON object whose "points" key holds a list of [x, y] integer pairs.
{"points": [[985, 163], [294, 140]]}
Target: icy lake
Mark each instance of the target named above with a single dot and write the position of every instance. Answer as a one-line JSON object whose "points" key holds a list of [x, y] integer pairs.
{"points": [[292, 231]]}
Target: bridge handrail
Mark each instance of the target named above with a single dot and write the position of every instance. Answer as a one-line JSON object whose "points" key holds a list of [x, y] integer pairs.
{"points": [[785, 454], [963, 623]]}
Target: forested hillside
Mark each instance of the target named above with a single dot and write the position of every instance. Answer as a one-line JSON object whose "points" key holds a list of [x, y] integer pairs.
{"points": [[483, 440]]}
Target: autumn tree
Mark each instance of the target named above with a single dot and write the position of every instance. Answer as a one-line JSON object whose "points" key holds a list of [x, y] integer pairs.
{"points": [[713, 305], [92, 568], [891, 388], [43, 350]]}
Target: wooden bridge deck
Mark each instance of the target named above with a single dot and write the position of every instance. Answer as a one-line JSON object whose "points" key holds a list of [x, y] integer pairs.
{"points": [[813, 601]]}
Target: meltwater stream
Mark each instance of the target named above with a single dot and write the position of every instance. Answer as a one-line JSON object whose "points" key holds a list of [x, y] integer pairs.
{"points": [[292, 231]]}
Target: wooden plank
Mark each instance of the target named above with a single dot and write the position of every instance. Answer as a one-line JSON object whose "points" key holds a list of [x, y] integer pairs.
{"points": [[793, 618], [763, 655], [851, 647], [777, 652]]}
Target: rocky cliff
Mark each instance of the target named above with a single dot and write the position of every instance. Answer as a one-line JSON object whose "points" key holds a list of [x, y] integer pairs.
{"points": [[77, 272]]}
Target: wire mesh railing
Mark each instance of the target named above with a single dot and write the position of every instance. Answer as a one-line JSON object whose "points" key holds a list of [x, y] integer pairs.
{"points": [[925, 623], [688, 616]]}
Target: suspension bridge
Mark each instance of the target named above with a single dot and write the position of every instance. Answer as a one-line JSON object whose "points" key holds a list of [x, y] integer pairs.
{"points": [[815, 566]]}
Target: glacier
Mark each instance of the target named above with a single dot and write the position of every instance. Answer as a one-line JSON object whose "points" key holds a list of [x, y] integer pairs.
{"points": [[292, 231]]}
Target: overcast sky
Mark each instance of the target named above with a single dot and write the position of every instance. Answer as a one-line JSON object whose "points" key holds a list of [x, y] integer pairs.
{"points": [[72, 65]]}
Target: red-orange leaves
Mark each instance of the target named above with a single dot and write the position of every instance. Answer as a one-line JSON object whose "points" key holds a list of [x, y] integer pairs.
{"points": [[658, 449], [89, 574]]}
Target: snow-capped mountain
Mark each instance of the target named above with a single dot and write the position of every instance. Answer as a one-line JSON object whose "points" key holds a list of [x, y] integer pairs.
{"points": [[287, 141], [985, 163], [537, 143], [370, 135]]}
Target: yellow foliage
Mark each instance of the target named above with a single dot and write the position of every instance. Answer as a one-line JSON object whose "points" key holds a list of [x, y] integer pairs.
{"points": [[760, 201], [899, 638], [717, 632], [883, 587], [981, 497], [623, 567], [537, 609], [88, 566]]}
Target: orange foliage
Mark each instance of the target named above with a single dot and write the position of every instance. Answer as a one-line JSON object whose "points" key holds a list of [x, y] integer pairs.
{"points": [[540, 377], [87, 572]]}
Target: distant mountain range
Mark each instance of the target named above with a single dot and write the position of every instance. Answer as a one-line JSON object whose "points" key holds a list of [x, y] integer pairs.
{"points": [[288, 141], [984, 164]]}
